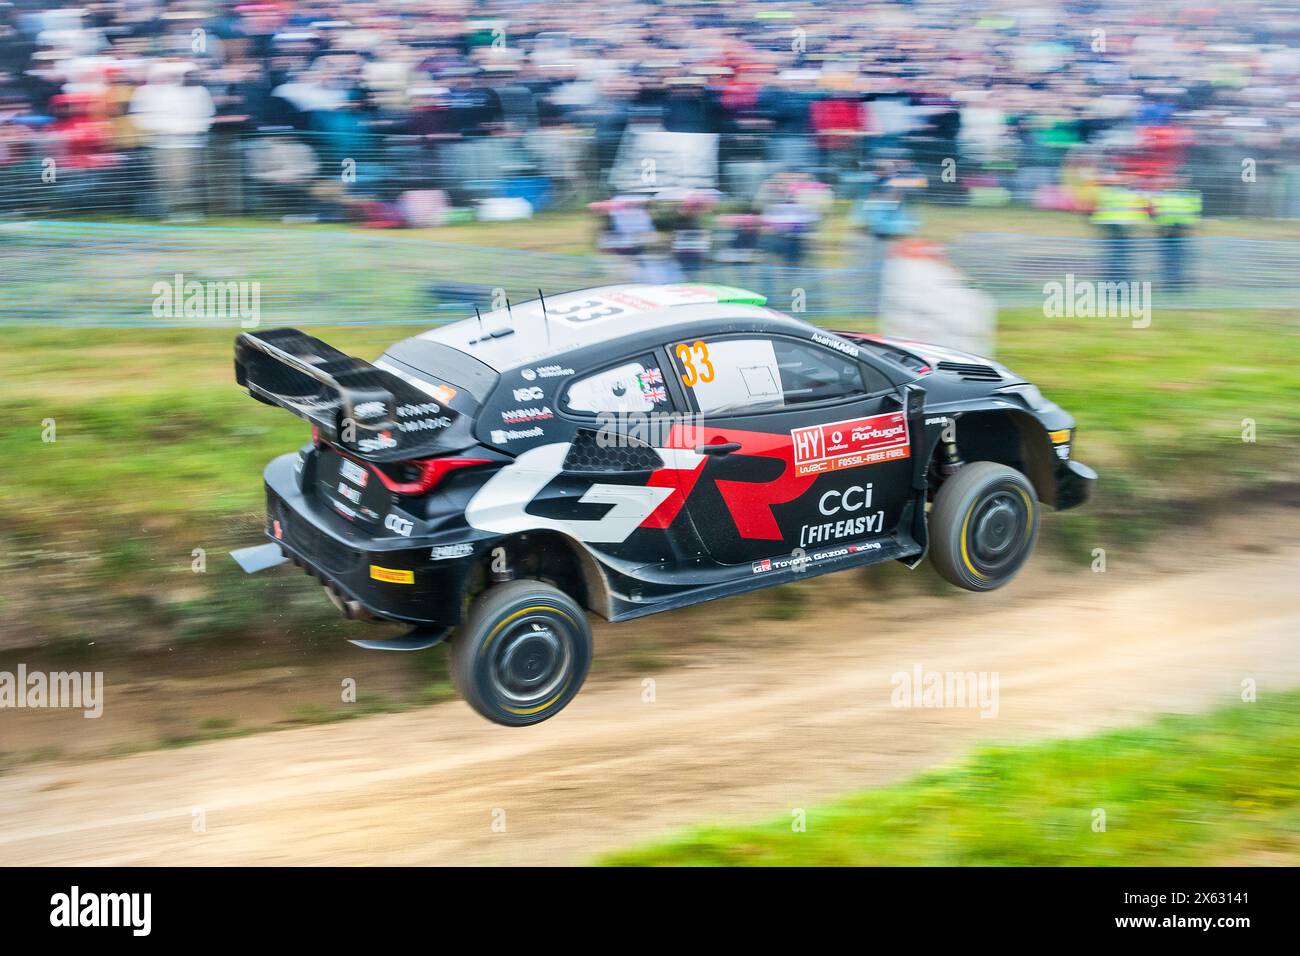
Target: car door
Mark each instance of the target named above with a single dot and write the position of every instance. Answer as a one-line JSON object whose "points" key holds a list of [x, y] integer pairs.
{"points": [[807, 449]]}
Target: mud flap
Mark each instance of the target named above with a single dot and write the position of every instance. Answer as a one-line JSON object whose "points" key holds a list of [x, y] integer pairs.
{"points": [[418, 639], [919, 532], [259, 558]]}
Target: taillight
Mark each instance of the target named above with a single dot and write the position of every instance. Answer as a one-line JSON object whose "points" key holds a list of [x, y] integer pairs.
{"points": [[315, 436], [427, 473]]}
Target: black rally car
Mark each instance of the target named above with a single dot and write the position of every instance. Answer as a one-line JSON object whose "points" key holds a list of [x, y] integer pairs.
{"points": [[633, 449]]}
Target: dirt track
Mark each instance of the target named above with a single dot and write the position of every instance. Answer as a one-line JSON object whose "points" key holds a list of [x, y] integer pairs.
{"points": [[733, 734]]}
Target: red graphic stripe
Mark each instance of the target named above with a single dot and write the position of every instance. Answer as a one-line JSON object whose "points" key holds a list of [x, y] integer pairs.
{"points": [[748, 502]]}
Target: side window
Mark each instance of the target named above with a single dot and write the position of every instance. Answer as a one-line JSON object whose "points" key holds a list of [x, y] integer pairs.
{"points": [[813, 374], [634, 386], [759, 374], [730, 375]]}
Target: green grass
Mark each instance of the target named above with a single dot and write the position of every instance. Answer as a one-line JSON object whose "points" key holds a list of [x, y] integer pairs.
{"points": [[149, 424], [157, 453], [1189, 791]]}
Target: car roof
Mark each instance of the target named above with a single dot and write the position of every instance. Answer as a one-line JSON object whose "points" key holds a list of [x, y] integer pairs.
{"points": [[528, 333]]}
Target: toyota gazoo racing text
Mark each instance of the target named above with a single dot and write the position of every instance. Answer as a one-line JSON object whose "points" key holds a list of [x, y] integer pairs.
{"points": [[633, 449]]}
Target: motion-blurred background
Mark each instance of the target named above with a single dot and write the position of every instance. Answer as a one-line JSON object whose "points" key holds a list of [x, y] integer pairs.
{"points": [[935, 168]]}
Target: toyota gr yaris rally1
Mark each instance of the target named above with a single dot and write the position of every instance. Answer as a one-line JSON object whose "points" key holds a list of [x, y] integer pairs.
{"points": [[633, 449]]}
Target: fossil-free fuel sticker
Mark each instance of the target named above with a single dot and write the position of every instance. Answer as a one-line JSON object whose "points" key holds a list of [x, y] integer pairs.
{"points": [[820, 449]]}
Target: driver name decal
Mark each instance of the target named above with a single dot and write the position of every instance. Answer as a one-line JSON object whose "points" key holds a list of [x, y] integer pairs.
{"points": [[821, 449]]}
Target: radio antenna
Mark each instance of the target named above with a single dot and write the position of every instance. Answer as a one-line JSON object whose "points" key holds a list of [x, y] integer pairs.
{"points": [[511, 315], [480, 321], [546, 322]]}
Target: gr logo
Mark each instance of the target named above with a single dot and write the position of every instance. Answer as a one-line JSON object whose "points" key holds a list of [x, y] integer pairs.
{"points": [[529, 394], [398, 524], [853, 498]]}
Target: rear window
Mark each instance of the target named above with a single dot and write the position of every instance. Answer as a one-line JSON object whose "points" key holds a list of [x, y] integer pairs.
{"points": [[441, 364], [636, 385]]}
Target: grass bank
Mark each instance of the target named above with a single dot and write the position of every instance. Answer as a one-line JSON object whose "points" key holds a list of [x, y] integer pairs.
{"points": [[1207, 790]]}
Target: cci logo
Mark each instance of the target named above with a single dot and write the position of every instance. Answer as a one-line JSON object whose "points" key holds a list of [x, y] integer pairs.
{"points": [[853, 498]]}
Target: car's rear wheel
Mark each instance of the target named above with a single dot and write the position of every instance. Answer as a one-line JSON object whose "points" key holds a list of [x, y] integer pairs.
{"points": [[983, 526], [522, 654]]}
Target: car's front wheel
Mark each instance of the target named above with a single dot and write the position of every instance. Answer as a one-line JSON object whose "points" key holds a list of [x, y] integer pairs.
{"points": [[522, 654], [983, 526]]}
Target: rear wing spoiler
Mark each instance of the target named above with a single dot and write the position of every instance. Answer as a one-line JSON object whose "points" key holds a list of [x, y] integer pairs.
{"points": [[365, 410]]}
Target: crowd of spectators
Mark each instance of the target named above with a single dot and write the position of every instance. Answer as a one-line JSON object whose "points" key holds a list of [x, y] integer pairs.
{"points": [[406, 110]]}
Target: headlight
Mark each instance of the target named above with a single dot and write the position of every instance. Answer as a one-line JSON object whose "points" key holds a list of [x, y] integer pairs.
{"points": [[1061, 439]]}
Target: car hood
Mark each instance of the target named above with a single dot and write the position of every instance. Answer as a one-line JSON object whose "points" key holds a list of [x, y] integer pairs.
{"points": [[945, 360]]}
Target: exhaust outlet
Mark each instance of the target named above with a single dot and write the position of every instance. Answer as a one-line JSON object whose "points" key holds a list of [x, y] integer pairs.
{"points": [[337, 600], [348, 607]]}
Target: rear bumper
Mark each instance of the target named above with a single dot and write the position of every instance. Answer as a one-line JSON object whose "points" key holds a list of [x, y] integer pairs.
{"points": [[1074, 481], [386, 578]]}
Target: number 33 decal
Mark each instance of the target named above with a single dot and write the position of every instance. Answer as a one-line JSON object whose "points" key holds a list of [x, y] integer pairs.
{"points": [[688, 356]]}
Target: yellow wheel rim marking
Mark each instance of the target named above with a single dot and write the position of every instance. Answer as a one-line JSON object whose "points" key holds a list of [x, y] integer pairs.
{"points": [[965, 555], [524, 712], [1029, 512]]}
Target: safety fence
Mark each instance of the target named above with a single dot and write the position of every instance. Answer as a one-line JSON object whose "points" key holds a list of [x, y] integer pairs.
{"points": [[298, 176], [65, 273], [396, 179], [1211, 271]]}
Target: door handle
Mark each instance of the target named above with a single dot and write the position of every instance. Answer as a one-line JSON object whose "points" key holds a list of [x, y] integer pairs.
{"points": [[725, 448]]}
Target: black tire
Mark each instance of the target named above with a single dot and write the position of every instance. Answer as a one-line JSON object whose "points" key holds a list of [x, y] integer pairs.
{"points": [[983, 526], [522, 653]]}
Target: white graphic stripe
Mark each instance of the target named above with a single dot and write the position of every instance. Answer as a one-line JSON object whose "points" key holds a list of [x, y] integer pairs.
{"points": [[499, 505]]}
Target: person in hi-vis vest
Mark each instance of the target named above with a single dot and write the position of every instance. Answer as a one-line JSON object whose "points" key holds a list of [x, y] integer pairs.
{"points": [[1119, 212], [1176, 211]]}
